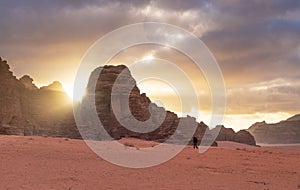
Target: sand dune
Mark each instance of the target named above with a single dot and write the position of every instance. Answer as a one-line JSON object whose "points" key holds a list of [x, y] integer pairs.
{"points": [[53, 163]]}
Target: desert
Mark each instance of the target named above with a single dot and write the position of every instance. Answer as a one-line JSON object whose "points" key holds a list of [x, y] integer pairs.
{"points": [[149, 94], [59, 163]]}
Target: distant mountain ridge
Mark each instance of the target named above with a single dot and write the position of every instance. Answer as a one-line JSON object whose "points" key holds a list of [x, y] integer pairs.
{"points": [[283, 132]]}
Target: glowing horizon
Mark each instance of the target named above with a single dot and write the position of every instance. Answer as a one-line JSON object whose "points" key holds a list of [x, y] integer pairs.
{"points": [[235, 121]]}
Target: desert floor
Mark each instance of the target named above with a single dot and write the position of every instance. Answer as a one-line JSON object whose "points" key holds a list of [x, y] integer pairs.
{"points": [[56, 163]]}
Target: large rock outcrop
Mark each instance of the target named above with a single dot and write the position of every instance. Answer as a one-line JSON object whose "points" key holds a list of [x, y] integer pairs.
{"points": [[12, 117], [228, 134], [111, 106], [27, 110], [283, 132], [115, 85]]}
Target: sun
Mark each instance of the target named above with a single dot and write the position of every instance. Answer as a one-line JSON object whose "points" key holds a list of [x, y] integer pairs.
{"points": [[69, 91], [148, 57]]}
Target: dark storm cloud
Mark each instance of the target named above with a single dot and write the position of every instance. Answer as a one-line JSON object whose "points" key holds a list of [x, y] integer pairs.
{"points": [[179, 5], [47, 22], [255, 39], [50, 5]]}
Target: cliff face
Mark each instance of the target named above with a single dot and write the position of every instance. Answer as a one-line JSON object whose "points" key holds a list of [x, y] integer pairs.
{"points": [[27, 110], [109, 102], [12, 103], [283, 132]]}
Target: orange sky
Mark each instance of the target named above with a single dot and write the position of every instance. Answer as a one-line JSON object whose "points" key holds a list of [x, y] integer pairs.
{"points": [[256, 45]]}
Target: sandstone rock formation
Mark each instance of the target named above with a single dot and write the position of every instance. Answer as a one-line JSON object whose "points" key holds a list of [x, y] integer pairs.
{"points": [[283, 132], [12, 118], [27, 110], [114, 86], [294, 118], [27, 81], [110, 103], [228, 134]]}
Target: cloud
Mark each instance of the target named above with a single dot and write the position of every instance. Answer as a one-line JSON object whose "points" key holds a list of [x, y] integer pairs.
{"points": [[255, 42], [57, 22], [272, 96]]}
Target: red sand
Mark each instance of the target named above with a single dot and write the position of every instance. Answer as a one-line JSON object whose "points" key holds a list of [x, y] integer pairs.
{"points": [[53, 163]]}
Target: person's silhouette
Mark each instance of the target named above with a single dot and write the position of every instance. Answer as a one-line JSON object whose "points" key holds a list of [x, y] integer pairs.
{"points": [[195, 142]]}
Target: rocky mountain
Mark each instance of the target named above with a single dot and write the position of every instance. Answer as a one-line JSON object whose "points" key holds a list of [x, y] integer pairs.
{"points": [[28, 110], [283, 132]]}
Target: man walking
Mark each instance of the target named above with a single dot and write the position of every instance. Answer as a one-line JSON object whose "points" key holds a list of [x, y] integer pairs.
{"points": [[195, 142]]}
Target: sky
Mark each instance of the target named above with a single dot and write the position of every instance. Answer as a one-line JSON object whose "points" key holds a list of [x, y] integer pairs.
{"points": [[256, 44]]}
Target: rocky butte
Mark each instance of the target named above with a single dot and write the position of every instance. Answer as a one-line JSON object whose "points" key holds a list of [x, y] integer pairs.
{"points": [[283, 132], [47, 111]]}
